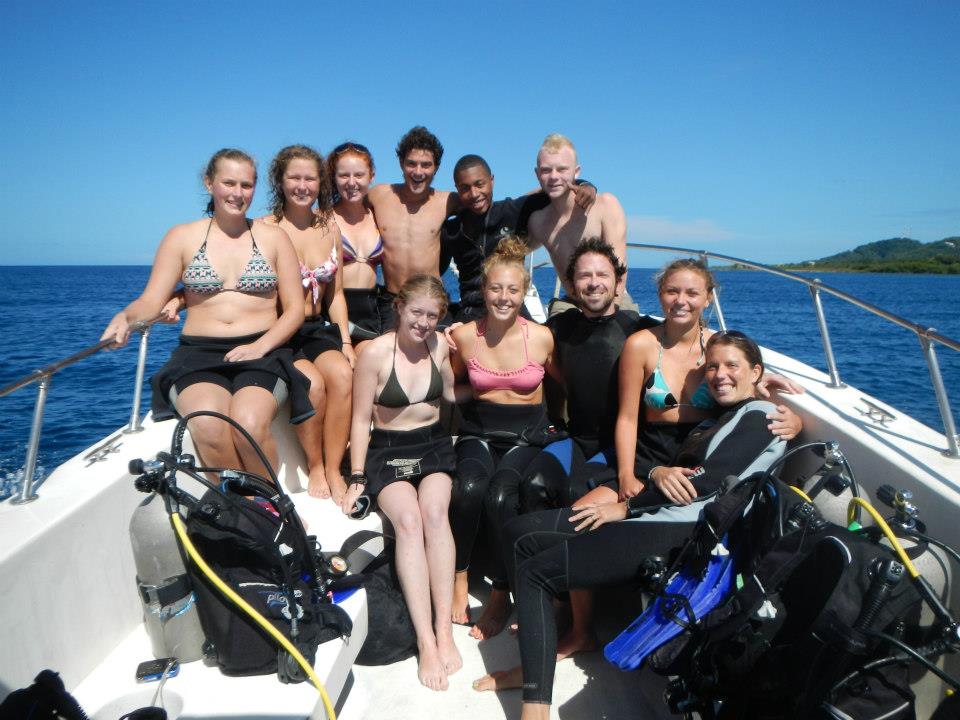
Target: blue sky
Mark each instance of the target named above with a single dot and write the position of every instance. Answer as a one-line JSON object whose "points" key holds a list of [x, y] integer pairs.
{"points": [[770, 130]]}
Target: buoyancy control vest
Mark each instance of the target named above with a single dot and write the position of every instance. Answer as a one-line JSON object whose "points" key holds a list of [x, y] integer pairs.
{"points": [[812, 594]]}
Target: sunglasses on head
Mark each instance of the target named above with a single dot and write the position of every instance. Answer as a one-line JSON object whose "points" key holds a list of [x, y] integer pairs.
{"points": [[348, 146]]}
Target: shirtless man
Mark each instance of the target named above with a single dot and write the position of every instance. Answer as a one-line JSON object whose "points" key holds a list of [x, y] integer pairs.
{"points": [[410, 215], [562, 225]]}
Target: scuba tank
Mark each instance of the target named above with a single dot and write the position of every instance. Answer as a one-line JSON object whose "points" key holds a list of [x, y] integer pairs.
{"points": [[169, 604]]}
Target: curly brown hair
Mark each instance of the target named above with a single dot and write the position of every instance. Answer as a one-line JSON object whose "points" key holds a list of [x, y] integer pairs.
{"points": [[419, 138], [279, 166]]}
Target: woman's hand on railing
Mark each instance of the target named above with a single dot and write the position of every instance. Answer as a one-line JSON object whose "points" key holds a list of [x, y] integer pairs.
{"points": [[118, 330], [674, 482]]}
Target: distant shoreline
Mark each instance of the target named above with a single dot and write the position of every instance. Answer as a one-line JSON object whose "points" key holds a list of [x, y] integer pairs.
{"points": [[952, 269]]}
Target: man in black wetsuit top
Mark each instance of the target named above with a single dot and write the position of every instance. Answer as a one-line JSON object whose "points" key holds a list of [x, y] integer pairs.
{"points": [[588, 342], [473, 233]]}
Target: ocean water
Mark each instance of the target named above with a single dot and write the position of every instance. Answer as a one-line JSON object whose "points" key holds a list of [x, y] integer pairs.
{"points": [[48, 313]]}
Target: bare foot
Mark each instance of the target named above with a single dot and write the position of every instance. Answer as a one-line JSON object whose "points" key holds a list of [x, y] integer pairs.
{"points": [[449, 655], [500, 680], [338, 488], [317, 485], [496, 612], [461, 598], [574, 642], [430, 670]]}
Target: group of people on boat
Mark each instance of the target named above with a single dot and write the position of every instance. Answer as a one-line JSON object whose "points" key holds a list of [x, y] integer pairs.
{"points": [[580, 446]]}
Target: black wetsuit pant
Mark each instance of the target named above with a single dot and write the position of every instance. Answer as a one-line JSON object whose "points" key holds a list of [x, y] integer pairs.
{"points": [[489, 475], [547, 558]]}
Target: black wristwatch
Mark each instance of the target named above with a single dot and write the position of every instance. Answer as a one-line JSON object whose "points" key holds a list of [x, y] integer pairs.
{"points": [[358, 478]]}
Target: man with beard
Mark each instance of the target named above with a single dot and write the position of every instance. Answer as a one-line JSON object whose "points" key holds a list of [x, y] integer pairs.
{"points": [[473, 233], [588, 342]]}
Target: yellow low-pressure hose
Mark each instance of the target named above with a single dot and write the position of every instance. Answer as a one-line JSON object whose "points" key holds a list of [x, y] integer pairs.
{"points": [[800, 492], [181, 531], [882, 524]]}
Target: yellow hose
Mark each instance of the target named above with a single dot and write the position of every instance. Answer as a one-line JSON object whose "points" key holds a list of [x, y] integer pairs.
{"points": [[181, 531], [882, 524], [800, 492]]}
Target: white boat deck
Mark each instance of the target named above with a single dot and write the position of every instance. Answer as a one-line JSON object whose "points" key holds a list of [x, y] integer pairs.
{"points": [[68, 600]]}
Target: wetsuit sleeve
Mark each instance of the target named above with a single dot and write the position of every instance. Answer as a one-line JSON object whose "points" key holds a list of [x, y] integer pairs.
{"points": [[741, 446], [446, 246], [733, 450]]}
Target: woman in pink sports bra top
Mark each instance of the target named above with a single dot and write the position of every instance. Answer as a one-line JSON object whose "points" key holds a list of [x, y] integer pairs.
{"points": [[323, 351], [503, 428]]}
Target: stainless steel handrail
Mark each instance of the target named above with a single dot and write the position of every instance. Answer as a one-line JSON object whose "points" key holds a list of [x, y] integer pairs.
{"points": [[926, 335], [43, 377]]}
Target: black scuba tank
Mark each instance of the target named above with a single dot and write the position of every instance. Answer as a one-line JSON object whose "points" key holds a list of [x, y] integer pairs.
{"points": [[166, 595]]}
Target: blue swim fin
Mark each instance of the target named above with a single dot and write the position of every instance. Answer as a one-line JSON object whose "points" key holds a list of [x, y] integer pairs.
{"points": [[666, 617]]}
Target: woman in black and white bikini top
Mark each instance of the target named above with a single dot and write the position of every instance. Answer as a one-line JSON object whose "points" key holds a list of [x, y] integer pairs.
{"points": [[230, 358]]}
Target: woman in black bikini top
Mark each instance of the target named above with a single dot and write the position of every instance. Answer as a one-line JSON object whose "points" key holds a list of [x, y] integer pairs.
{"points": [[406, 461]]}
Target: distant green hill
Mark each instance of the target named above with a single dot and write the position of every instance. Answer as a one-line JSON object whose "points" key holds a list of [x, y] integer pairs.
{"points": [[897, 255]]}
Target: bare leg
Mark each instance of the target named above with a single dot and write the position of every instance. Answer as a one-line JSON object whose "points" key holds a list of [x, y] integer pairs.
{"points": [[600, 495], [461, 598], [310, 432], [338, 381], [399, 501], [254, 407], [496, 612], [211, 436], [580, 636], [434, 497]]}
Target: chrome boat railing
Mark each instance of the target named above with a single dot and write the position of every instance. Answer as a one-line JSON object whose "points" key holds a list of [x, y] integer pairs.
{"points": [[926, 335], [43, 377]]}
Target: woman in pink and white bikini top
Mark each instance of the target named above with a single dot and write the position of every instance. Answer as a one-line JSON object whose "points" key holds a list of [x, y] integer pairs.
{"points": [[302, 206]]}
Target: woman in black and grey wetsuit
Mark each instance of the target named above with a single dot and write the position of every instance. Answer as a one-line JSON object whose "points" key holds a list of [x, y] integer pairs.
{"points": [[599, 545], [406, 461]]}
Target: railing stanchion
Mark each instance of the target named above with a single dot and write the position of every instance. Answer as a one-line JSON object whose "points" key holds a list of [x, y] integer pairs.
{"points": [[940, 390], [825, 336], [721, 320], [134, 426], [33, 446]]}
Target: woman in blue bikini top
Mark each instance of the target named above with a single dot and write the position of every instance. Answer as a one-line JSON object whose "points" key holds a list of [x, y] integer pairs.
{"points": [[662, 390]]}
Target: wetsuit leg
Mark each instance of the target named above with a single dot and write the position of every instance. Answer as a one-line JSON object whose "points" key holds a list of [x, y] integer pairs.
{"points": [[545, 481], [476, 463], [503, 501], [552, 559]]}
